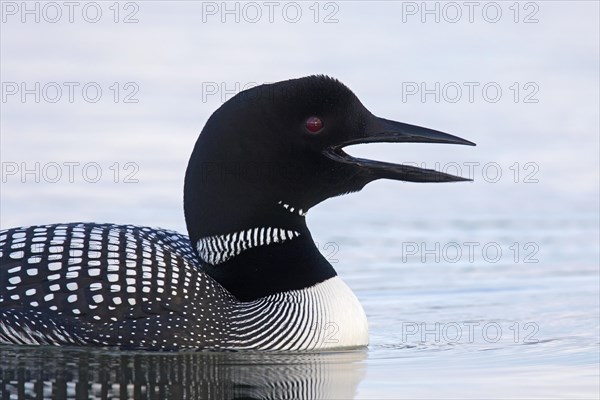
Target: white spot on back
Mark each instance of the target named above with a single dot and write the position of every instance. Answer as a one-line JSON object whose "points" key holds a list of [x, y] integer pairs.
{"points": [[15, 280]]}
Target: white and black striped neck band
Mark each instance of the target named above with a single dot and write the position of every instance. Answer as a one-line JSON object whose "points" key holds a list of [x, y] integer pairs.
{"points": [[220, 248]]}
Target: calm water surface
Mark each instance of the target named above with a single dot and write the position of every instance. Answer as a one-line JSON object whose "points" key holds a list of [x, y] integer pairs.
{"points": [[521, 325]]}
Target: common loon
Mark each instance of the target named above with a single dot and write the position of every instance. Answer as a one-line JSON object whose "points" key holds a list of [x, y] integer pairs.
{"points": [[249, 275]]}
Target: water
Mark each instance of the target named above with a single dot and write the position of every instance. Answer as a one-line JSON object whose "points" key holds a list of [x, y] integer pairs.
{"points": [[487, 289], [437, 329]]}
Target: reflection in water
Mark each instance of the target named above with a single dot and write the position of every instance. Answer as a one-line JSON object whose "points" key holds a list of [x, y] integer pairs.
{"points": [[77, 373]]}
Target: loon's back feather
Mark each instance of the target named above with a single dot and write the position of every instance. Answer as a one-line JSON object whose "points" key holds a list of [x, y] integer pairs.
{"points": [[107, 284]]}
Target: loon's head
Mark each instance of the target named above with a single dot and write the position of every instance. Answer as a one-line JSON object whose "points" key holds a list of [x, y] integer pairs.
{"points": [[267, 156]]}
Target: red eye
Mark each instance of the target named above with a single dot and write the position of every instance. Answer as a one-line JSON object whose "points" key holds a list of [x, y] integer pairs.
{"points": [[314, 124]]}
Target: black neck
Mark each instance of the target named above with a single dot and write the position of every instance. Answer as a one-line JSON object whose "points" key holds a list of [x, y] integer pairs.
{"points": [[278, 267], [213, 209]]}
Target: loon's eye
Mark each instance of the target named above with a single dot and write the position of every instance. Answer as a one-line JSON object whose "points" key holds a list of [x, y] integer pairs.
{"points": [[314, 124]]}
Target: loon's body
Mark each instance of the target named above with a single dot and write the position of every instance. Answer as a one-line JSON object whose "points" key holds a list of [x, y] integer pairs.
{"points": [[137, 287], [249, 275]]}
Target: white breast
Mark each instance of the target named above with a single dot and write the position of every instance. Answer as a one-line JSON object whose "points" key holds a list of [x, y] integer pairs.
{"points": [[343, 318], [321, 317]]}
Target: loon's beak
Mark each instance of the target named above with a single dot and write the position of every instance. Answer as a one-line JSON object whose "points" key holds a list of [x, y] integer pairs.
{"points": [[383, 130]]}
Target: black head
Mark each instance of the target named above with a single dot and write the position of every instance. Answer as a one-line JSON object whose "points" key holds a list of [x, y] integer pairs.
{"points": [[276, 149]]}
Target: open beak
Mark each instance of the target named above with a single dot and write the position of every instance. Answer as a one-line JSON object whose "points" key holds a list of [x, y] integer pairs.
{"points": [[380, 130]]}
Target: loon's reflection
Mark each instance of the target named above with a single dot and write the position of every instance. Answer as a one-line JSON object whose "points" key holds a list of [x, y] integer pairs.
{"points": [[77, 373]]}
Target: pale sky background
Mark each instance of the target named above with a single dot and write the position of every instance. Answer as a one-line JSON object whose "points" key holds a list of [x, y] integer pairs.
{"points": [[376, 48]]}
